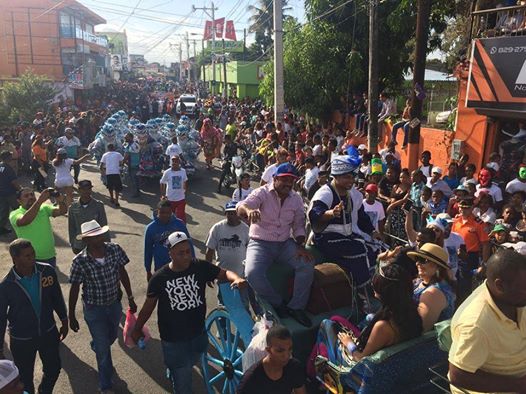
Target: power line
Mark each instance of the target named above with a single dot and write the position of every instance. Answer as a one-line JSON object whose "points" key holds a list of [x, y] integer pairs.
{"points": [[129, 16]]}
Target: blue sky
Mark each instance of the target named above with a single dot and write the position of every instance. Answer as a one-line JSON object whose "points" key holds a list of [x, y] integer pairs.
{"points": [[151, 25]]}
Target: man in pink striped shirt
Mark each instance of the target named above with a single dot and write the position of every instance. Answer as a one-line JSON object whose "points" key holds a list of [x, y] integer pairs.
{"points": [[277, 235]]}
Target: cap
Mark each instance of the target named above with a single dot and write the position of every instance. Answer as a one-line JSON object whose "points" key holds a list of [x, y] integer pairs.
{"points": [[445, 216], [85, 183], [494, 166], [436, 223], [8, 372], [175, 238], [470, 181], [62, 151], [230, 206], [437, 170], [372, 188], [462, 188], [69, 130], [499, 227], [362, 147], [341, 165], [522, 172], [286, 169]]}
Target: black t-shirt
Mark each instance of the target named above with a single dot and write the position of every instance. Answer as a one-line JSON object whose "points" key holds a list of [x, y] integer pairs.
{"points": [[7, 176], [256, 381], [181, 305]]}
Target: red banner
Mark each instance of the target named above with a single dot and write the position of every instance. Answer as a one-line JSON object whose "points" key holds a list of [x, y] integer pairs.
{"points": [[230, 31], [219, 25], [208, 31]]}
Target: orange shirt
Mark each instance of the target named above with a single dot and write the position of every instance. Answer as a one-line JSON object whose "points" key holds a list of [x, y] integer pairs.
{"points": [[472, 230], [39, 153]]}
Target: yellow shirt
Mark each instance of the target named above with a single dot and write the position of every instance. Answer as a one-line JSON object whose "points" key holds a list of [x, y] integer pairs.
{"points": [[484, 338]]}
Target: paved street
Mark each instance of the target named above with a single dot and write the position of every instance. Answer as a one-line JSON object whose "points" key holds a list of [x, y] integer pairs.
{"points": [[138, 371]]}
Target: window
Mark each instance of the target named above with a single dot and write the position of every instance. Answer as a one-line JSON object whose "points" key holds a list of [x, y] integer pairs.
{"points": [[89, 28], [66, 25]]}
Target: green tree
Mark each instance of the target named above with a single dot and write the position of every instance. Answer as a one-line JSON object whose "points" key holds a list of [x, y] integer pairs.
{"points": [[262, 23], [326, 59], [23, 98]]}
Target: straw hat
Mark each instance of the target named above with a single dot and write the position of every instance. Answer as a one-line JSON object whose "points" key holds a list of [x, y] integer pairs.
{"points": [[91, 229], [431, 252]]}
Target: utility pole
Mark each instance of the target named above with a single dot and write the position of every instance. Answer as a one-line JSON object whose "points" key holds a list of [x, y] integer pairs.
{"points": [[244, 43], [422, 33], [225, 84], [279, 100], [195, 69], [372, 100], [180, 62], [212, 9], [188, 57], [203, 53]]}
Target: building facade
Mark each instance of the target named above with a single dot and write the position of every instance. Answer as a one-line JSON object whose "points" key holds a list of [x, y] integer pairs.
{"points": [[54, 39]]}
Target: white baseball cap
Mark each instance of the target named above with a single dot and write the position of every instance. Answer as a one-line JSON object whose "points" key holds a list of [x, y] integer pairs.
{"points": [[362, 147], [437, 170], [176, 237], [8, 372]]}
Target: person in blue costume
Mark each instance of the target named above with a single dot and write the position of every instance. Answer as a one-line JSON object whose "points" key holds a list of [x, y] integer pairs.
{"points": [[343, 232]]}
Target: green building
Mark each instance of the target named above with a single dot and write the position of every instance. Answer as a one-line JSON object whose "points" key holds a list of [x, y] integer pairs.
{"points": [[241, 77]]}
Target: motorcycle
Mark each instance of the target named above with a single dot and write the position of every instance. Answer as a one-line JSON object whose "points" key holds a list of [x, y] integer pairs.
{"points": [[232, 170]]}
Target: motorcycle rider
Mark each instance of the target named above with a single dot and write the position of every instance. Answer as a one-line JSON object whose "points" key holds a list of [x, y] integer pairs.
{"points": [[229, 151]]}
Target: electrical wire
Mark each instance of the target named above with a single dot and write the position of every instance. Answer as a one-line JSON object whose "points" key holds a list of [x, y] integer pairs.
{"points": [[131, 14]]}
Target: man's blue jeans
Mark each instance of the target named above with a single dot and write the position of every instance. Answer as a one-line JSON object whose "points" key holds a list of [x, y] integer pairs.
{"points": [[400, 125], [262, 254], [133, 180], [180, 357], [103, 324]]}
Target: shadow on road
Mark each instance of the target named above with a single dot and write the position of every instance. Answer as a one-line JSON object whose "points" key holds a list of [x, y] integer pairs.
{"points": [[82, 377], [150, 360]]}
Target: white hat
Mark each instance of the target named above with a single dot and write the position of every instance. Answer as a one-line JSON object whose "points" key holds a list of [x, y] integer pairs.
{"points": [[437, 170], [494, 166], [91, 229], [362, 147], [8, 372], [175, 238]]}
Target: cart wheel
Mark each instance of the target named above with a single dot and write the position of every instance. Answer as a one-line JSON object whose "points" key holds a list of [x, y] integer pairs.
{"points": [[222, 369]]}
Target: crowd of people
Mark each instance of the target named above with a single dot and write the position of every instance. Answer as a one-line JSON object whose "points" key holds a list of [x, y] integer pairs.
{"points": [[418, 241]]}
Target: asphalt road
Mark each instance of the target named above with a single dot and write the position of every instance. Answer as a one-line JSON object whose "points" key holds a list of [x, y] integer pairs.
{"points": [[137, 371]]}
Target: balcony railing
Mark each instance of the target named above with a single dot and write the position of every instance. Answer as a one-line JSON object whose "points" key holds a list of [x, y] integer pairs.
{"points": [[69, 31], [504, 21]]}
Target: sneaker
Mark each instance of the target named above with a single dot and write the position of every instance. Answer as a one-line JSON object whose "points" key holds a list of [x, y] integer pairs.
{"points": [[300, 316]]}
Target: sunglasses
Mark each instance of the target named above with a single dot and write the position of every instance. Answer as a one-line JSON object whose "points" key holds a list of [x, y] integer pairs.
{"points": [[421, 260]]}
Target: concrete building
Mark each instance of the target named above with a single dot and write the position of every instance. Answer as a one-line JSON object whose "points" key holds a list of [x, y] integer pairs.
{"points": [[241, 77], [55, 39], [118, 48]]}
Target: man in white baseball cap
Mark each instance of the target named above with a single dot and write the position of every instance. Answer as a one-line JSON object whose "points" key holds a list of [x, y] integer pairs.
{"points": [[435, 183], [10, 382], [180, 289]]}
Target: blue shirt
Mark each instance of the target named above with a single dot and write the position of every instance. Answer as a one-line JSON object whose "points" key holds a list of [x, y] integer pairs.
{"points": [[31, 285], [451, 182], [155, 238]]}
